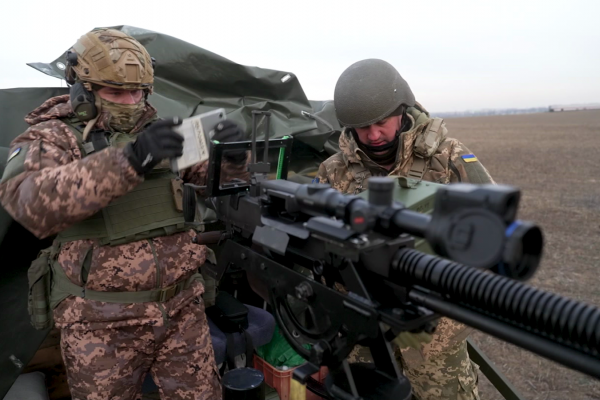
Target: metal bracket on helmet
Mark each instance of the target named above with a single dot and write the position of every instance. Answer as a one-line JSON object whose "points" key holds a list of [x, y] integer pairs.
{"points": [[70, 75], [72, 58]]}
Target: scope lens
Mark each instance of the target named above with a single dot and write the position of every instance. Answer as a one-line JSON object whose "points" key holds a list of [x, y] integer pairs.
{"points": [[523, 251]]}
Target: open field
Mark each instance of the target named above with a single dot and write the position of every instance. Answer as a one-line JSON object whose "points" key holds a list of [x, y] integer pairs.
{"points": [[555, 159]]}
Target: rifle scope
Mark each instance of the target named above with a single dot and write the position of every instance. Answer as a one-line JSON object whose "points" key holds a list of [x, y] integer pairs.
{"points": [[471, 224]]}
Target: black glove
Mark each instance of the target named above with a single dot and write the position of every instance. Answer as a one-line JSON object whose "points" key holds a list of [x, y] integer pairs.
{"points": [[154, 144], [228, 131]]}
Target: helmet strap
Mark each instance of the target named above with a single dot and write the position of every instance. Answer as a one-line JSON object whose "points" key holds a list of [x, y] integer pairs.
{"points": [[387, 152]]}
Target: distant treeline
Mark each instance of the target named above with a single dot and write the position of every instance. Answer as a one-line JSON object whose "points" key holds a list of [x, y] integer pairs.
{"points": [[497, 111]]}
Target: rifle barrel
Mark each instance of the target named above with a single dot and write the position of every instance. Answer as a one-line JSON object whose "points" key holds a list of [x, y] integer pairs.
{"points": [[521, 312]]}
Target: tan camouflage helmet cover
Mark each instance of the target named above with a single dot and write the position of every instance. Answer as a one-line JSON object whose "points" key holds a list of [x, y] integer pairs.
{"points": [[109, 57]]}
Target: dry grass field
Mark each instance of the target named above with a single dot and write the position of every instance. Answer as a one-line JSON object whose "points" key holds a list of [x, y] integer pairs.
{"points": [[555, 159]]}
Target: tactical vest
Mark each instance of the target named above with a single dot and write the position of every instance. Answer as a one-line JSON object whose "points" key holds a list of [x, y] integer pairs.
{"points": [[149, 210]]}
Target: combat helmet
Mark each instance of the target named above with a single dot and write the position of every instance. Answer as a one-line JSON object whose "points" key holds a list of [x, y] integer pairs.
{"points": [[369, 91], [109, 57]]}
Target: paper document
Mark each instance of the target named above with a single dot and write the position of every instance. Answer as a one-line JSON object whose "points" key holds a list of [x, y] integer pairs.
{"points": [[197, 132]]}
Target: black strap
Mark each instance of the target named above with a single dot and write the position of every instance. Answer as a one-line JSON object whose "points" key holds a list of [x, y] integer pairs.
{"points": [[230, 347], [249, 349], [230, 354]]}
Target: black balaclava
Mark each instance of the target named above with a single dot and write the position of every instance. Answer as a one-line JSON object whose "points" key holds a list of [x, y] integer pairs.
{"points": [[391, 148]]}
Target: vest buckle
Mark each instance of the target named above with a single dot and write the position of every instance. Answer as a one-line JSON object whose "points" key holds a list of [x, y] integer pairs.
{"points": [[167, 293]]}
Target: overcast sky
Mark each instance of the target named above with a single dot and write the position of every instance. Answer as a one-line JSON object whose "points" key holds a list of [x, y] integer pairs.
{"points": [[455, 55]]}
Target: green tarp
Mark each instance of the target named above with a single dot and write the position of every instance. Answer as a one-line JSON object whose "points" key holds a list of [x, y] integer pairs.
{"points": [[15, 104], [190, 80]]}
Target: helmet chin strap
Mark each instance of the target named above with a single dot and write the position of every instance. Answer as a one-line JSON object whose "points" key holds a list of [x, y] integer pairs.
{"points": [[390, 150], [387, 153]]}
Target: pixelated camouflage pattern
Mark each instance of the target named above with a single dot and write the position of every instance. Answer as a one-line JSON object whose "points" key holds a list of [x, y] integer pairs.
{"points": [[442, 166], [133, 267], [59, 188], [440, 369], [444, 371], [112, 363], [54, 107], [445, 375]]}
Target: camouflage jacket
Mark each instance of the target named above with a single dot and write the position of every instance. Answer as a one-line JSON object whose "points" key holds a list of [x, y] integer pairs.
{"points": [[446, 160], [349, 170], [59, 187]]}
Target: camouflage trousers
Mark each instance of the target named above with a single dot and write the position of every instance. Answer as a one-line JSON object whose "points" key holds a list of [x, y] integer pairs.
{"points": [[112, 363], [447, 375]]}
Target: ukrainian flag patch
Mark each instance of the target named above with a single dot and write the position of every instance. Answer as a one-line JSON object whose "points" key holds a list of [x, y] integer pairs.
{"points": [[469, 158], [14, 154]]}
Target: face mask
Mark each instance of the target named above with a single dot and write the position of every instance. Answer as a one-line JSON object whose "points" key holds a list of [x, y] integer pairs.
{"points": [[123, 117]]}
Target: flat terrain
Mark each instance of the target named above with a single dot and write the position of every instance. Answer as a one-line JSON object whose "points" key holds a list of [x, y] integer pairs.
{"points": [[555, 159]]}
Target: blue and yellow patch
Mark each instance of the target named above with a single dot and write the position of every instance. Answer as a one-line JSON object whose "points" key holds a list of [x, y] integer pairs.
{"points": [[14, 154], [469, 158]]}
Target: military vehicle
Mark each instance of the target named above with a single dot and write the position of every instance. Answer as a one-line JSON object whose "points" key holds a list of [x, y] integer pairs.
{"points": [[188, 81]]}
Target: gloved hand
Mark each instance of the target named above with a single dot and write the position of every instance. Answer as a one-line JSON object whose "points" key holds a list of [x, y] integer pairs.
{"points": [[154, 144], [228, 131]]}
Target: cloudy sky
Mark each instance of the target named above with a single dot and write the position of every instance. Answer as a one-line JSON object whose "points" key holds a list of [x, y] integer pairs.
{"points": [[456, 55]]}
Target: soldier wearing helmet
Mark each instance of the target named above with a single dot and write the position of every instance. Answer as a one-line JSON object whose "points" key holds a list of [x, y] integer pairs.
{"points": [[122, 275], [387, 132]]}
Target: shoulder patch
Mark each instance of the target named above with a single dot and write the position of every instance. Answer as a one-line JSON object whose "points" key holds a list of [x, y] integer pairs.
{"points": [[14, 154], [15, 163], [469, 158]]}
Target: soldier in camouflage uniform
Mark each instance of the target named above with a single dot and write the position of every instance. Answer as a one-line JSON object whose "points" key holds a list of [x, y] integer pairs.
{"points": [[93, 169], [388, 133]]}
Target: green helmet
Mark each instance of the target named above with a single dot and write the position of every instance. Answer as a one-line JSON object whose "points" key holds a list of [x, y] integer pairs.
{"points": [[369, 91]]}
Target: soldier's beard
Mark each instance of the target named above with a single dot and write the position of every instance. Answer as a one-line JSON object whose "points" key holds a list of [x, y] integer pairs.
{"points": [[123, 117]]}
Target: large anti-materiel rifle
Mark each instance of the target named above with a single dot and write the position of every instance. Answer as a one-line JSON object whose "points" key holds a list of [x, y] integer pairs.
{"points": [[274, 226]]}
